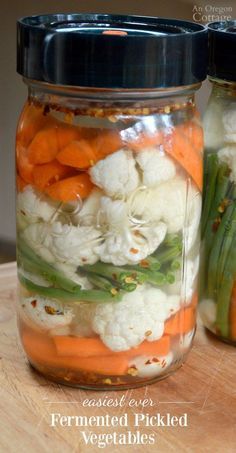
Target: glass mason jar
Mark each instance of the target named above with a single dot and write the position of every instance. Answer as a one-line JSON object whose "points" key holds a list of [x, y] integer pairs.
{"points": [[109, 187], [218, 273]]}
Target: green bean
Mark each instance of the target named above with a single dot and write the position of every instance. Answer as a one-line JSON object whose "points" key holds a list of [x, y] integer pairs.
{"points": [[32, 262], [225, 292], [211, 164], [78, 296], [216, 250]]}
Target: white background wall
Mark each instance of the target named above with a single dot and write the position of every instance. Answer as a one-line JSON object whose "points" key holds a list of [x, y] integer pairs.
{"points": [[13, 92]]}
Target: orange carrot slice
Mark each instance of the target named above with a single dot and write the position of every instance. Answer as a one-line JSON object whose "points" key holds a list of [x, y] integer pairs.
{"points": [[106, 142], [25, 168], [67, 134], [44, 146], [47, 174], [70, 189], [232, 314], [88, 347], [182, 322], [84, 153], [77, 154]]}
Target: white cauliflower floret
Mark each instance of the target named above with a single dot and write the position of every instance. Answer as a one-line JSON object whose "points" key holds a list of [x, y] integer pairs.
{"points": [[172, 202], [155, 165], [228, 155], [46, 313], [38, 236], [32, 207], [74, 245], [139, 316], [229, 123], [124, 241], [207, 309], [165, 202], [116, 174], [192, 218], [151, 366], [89, 212]]}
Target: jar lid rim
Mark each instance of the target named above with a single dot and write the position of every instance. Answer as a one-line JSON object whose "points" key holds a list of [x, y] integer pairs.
{"points": [[114, 51]]}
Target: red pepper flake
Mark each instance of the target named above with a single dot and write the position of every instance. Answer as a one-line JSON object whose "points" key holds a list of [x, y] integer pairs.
{"points": [[52, 311], [155, 360], [34, 303], [148, 333], [46, 110], [223, 205], [148, 362], [216, 224], [144, 263], [134, 251], [84, 260]]}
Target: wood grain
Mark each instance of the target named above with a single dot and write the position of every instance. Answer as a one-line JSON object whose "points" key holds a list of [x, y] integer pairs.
{"points": [[204, 388]]}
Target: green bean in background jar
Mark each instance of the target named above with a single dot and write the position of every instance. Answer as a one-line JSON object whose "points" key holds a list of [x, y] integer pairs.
{"points": [[218, 229]]}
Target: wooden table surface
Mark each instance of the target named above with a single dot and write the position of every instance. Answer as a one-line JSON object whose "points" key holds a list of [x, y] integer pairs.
{"points": [[204, 389]]}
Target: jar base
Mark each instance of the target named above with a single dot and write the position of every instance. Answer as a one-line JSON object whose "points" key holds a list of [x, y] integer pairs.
{"points": [[219, 337], [70, 381]]}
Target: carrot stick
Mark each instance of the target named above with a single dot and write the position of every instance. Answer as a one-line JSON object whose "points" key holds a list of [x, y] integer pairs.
{"points": [[80, 346], [44, 146], [70, 189], [182, 322], [232, 314], [25, 168], [194, 133], [47, 174], [41, 350], [177, 145], [88, 347], [155, 348]]}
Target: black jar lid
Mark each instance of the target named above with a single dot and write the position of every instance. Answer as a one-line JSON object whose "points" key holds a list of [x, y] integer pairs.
{"points": [[111, 51], [222, 50]]}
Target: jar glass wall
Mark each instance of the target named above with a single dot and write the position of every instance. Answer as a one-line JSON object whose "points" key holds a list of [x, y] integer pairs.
{"points": [[108, 210], [218, 269]]}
